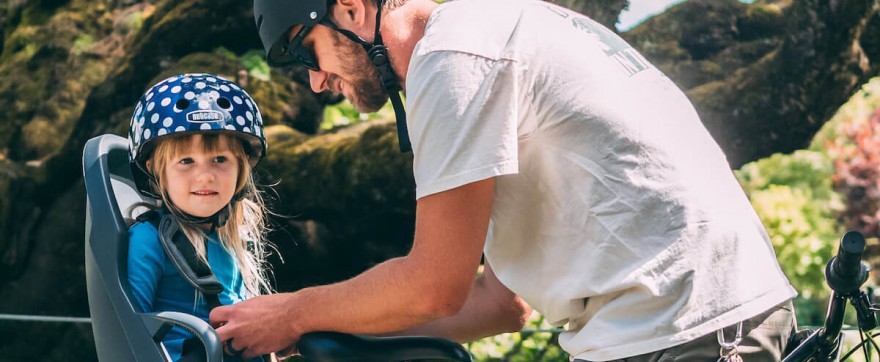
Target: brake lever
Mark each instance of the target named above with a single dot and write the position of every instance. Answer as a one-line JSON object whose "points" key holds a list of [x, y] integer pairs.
{"points": [[865, 311]]}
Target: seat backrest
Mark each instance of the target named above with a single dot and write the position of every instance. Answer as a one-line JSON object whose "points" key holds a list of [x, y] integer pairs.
{"points": [[120, 333]]}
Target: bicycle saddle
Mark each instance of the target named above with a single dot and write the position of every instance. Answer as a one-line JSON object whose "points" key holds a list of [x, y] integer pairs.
{"points": [[341, 347]]}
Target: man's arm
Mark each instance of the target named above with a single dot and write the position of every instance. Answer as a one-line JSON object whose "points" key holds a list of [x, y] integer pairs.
{"points": [[431, 282], [490, 309]]}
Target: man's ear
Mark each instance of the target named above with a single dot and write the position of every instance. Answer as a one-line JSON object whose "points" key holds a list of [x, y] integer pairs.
{"points": [[352, 15]]}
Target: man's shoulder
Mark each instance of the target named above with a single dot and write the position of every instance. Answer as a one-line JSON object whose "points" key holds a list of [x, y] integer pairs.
{"points": [[479, 27]]}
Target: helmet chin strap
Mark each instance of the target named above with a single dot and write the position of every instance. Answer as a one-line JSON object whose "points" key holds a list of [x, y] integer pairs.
{"points": [[217, 220], [379, 56]]}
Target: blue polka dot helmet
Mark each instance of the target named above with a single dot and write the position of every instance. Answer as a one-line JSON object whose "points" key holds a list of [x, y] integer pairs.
{"points": [[185, 103]]}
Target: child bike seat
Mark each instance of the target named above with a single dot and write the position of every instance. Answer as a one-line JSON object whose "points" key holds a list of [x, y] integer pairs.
{"points": [[122, 331]]}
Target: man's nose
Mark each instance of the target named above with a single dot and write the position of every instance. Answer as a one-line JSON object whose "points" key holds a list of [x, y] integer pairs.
{"points": [[318, 80]]}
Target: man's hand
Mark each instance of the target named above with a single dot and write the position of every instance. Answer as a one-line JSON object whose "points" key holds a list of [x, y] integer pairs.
{"points": [[257, 326]]}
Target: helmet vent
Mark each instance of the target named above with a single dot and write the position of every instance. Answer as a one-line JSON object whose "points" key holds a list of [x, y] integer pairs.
{"points": [[224, 103], [181, 104]]}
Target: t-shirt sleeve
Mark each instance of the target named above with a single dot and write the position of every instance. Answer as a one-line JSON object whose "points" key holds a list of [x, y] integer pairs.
{"points": [[463, 111], [146, 259]]}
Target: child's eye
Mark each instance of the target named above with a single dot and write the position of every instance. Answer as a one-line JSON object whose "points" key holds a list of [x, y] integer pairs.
{"points": [[186, 161], [220, 159]]}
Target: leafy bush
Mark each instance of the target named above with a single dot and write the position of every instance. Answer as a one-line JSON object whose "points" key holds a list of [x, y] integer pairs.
{"points": [[255, 63], [793, 196], [343, 114], [857, 162], [537, 342]]}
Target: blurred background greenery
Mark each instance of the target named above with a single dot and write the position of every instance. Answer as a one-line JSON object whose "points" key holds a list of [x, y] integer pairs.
{"points": [[784, 86]]}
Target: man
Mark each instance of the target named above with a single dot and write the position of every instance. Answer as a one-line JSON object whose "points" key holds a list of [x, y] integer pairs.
{"points": [[546, 142]]}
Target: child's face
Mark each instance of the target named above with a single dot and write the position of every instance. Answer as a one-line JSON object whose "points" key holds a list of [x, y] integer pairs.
{"points": [[202, 182]]}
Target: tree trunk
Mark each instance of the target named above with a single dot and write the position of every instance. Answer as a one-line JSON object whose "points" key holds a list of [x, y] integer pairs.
{"points": [[765, 77]]}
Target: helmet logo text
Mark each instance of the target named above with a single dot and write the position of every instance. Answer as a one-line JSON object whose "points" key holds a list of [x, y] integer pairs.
{"points": [[204, 116]]}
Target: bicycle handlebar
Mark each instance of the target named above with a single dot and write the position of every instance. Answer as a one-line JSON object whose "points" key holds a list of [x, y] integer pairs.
{"points": [[845, 273]]}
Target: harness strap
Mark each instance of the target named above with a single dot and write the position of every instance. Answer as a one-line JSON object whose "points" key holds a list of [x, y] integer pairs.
{"points": [[194, 270], [184, 257]]}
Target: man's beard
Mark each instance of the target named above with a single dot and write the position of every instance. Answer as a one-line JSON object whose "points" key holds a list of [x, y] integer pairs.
{"points": [[366, 93]]}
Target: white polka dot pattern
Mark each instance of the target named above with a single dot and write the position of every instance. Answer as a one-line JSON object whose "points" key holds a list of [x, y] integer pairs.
{"points": [[192, 103]]}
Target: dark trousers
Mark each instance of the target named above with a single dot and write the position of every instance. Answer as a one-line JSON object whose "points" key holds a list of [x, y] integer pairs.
{"points": [[764, 339]]}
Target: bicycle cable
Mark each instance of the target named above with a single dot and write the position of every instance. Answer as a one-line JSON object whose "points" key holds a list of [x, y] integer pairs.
{"points": [[863, 345]]}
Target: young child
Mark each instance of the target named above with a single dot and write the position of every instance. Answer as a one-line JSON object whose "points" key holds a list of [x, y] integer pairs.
{"points": [[194, 139]]}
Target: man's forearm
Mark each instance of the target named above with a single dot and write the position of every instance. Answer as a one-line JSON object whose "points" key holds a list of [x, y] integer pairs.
{"points": [[391, 296], [490, 309]]}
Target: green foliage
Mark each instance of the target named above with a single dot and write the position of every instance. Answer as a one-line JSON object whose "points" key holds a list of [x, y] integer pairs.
{"points": [[135, 20], [793, 196], [256, 65], [341, 114], [344, 114], [537, 342], [82, 44]]}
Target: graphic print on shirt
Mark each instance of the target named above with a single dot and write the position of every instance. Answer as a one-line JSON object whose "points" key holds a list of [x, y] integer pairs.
{"points": [[629, 59]]}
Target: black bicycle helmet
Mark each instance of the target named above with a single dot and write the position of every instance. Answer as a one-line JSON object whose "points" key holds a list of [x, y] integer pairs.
{"points": [[276, 18]]}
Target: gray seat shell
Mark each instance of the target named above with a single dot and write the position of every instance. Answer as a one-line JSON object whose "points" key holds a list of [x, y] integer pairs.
{"points": [[122, 331]]}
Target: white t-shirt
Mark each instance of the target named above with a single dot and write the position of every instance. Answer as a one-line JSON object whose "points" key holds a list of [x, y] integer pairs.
{"points": [[615, 211]]}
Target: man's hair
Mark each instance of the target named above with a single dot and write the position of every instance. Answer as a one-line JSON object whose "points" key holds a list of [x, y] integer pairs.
{"points": [[391, 4]]}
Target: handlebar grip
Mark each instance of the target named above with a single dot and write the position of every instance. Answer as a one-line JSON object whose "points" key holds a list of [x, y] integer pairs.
{"points": [[849, 256], [845, 273]]}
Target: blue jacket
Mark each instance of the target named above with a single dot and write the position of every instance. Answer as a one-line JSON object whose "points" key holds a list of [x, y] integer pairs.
{"points": [[157, 285]]}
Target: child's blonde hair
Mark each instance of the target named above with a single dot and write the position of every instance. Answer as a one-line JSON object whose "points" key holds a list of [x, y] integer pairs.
{"points": [[244, 233]]}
